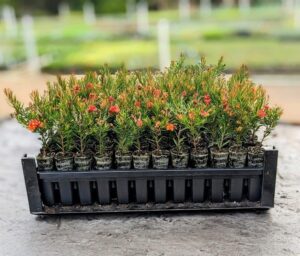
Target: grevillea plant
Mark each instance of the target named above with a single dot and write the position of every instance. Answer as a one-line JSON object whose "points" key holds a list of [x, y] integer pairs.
{"points": [[184, 107]]}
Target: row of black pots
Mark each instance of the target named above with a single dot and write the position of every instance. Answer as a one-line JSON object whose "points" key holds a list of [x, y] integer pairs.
{"points": [[235, 157]]}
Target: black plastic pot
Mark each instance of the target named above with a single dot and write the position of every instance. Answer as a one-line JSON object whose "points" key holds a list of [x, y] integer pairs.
{"points": [[103, 162], [123, 160], [199, 158], [219, 158], [237, 156], [64, 163], [256, 156], [83, 163], [179, 159], [141, 160], [160, 159], [45, 163]]}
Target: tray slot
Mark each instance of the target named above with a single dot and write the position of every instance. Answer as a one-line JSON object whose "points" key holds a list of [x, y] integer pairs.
{"points": [[65, 190], [236, 189], [122, 191], [84, 190], [160, 190], [179, 190], [254, 189], [217, 188], [48, 193], [141, 189], [103, 188], [198, 190]]}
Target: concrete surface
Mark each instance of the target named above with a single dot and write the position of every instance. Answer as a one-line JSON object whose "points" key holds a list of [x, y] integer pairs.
{"points": [[276, 232]]}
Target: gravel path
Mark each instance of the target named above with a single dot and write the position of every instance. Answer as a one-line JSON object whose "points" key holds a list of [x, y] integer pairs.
{"points": [[276, 232]]}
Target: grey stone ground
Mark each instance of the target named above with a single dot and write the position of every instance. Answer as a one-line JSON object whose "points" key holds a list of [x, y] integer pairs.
{"points": [[276, 232]]}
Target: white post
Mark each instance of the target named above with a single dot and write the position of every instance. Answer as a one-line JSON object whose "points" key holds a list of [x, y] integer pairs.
{"points": [[244, 6], [63, 10], [142, 18], [89, 13], [130, 8], [163, 32], [30, 43], [205, 7], [184, 9], [297, 14], [10, 21]]}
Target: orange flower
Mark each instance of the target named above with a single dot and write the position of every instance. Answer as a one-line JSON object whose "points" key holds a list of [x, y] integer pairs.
{"points": [[76, 89], [104, 103], [156, 93], [157, 125], [139, 123], [170, 127], [179, 116], [266, 107], [191, 115], [207, 99], [34, 124], [204, 113], [137, 104], [92, 108], [149, 105], [89, 86], [261, 113], [114, 109]]}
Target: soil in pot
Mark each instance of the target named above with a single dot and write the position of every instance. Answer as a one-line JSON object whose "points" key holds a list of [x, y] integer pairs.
{"points": [[104, 161], [199, 157], [83, 162], [64, 162], [45, 162], [219, 157], [256, 156], [237, 156], [179, 159], [160, 159], [123, 160], [141, 160]]}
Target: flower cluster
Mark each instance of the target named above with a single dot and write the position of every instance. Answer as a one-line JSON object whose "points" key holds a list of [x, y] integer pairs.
{"points": [[186, 107]]}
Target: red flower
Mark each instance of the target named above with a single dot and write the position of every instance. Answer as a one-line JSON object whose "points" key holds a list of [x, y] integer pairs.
{"points": [[34, 124], [139, 123], [156, 93], [207, 99], [183, 94], [137, 104], [111, 99], [114, 109], [76, 89], [149, 105], [266, 107], [92, 108], [261, 113], [92, 96], [170, 127], [204, 113], [89, 86]]}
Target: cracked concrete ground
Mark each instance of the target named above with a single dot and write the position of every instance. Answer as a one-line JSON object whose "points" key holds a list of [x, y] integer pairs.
{"points": [[276, 232]]}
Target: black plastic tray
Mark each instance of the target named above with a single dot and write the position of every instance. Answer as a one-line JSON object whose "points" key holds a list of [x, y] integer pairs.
{"points": [[150, 190]]}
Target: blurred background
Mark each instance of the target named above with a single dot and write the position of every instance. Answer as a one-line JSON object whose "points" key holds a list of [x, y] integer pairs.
{"points": [[42, 38]]}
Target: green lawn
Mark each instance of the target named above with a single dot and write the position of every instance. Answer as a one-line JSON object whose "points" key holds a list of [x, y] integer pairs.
{"points": [[255, 39]]}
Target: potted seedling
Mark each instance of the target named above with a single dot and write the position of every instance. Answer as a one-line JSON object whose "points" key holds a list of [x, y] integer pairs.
{"points": [[124, 130], [35, 118]]}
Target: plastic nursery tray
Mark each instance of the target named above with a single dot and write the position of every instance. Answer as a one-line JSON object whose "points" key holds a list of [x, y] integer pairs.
{"points": [[150, 190]]}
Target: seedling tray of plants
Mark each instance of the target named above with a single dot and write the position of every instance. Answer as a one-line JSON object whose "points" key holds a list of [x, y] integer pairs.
{"points": [[56, 192], [185, 138]]}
